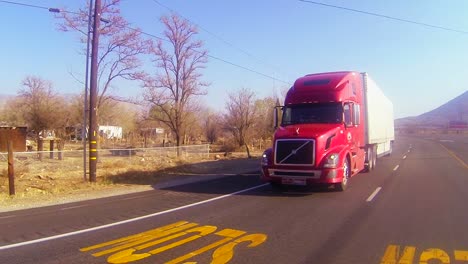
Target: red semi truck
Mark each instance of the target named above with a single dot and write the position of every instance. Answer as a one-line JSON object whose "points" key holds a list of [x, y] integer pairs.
{"points": [[333, 126]]}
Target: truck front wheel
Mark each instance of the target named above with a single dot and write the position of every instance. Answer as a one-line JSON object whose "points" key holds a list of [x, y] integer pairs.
{"points": [[341, 186]]}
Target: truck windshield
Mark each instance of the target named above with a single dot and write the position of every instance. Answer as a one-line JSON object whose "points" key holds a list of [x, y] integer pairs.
{"points": [[322, 113]]}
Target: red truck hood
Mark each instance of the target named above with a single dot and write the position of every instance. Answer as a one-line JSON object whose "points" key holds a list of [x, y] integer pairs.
{"points": [[306, 130]]}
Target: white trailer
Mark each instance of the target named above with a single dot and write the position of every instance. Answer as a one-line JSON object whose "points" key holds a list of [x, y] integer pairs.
{"points": [[379, 130]]}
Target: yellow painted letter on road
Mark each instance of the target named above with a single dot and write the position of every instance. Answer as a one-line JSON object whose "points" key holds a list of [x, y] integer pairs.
{"points": [[225, 253], [229, 235], [461, 255], [434, 253], [393, 255], [129, 255], [132, 241]]}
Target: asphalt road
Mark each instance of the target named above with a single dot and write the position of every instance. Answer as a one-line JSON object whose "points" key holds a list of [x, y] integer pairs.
{"points": [[410, 209]]}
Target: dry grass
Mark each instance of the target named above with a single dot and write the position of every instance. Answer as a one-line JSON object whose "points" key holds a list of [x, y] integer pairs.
{"points": [[50, 179]]}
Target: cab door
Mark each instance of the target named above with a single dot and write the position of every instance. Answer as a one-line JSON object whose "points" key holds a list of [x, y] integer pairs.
{"points": [[354, 134]]}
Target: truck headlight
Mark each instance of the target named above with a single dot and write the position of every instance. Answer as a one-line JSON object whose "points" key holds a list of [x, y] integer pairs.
{"points": [[332, 161], [264, 159]]}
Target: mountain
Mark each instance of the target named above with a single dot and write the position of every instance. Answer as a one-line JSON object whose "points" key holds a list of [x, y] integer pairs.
{"points": [[456, 110]]}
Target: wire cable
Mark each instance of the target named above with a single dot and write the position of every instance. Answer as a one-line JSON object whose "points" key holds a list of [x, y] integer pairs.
{"points": [[213, 57], [257, 59], [50, 9], [385, 16], [22, 4]]}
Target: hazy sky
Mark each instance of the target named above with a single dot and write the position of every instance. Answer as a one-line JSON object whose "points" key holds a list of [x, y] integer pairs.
{"points": [[418, 68]]}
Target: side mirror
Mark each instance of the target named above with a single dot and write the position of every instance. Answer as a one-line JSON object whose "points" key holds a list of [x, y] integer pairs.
{"points": [[276, 115]]}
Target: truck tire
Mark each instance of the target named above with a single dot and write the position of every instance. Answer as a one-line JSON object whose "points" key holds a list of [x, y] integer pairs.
{"points": [[341, 186]]}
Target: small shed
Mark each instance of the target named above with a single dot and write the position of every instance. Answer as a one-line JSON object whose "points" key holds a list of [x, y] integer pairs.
{"points": [[16, 134]]}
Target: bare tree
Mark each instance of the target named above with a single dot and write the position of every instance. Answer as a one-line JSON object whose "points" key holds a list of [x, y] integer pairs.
{"points": [[240, 117], [42, 108], [171, 92], [120, 45], [13, 112], [264, 117], [212, 125]]}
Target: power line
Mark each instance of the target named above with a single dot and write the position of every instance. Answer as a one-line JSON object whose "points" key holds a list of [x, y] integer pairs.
{"points": [[262, 61], [213, 57], [385, 16], [50, 9], [212, 34], [248, 69], [22, 4]]}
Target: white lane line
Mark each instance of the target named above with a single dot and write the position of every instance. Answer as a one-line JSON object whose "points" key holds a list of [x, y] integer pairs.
{"points": [[396, 167], [404, 157], [372, 196], [128, 220], [73, 207]]}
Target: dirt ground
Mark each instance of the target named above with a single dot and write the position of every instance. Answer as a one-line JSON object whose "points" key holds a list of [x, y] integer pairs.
{"points": [[54, 182]]}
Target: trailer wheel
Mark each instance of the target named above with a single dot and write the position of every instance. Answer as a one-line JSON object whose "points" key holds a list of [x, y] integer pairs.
{"points": [[341, 186]]}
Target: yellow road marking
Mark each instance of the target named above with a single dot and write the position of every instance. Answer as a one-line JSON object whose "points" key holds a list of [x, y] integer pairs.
{"points": [[455, 157], [461, 255], [392, 255], [225, 253], [126, 249], [128, 255], [230, 234], [93, 158], [147, 238], [125, 239], [432, 254]]}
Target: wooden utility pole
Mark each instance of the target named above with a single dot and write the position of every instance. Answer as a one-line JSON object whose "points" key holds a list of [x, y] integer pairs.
{"points": [[86, 106], [93, 133], [11, 168]]}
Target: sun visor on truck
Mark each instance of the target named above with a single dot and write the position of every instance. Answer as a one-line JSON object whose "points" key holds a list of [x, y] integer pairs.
{"points": [[316, 90]]}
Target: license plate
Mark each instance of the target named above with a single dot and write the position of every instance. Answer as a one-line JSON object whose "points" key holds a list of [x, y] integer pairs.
{"points": [[293, 181]]}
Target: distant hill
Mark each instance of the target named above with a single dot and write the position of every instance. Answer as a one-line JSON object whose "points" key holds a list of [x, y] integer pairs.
{"points": [[454, 110]]}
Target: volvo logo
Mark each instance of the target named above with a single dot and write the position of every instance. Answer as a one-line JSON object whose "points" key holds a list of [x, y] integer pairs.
{"points": [[297, 131]]}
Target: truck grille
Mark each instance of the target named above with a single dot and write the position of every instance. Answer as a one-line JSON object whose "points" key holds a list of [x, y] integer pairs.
{"points": [[294, 152]]}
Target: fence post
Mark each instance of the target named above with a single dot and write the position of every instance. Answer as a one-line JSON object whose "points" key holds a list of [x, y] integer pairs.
{"points": [[11, 168], [51, 149], [40, 147], [60, 146]]}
